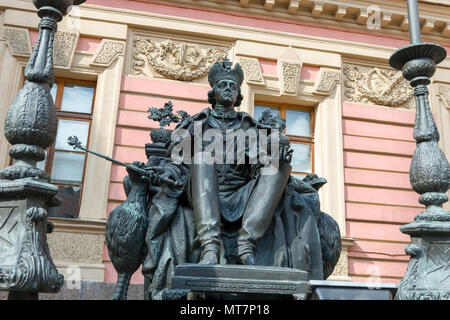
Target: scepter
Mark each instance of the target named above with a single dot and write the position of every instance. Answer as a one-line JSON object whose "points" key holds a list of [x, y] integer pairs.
{"points": [[75, 143]]}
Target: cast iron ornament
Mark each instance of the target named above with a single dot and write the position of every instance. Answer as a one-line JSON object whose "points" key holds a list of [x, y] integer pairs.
{"points": [[26, 266], [428, 273]]}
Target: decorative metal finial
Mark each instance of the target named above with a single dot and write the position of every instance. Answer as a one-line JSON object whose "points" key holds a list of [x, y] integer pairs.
{"points": [[428, 274], [26, 266]]}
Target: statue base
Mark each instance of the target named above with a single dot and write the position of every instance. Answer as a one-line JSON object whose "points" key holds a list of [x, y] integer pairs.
{"points": [[239, 282]]}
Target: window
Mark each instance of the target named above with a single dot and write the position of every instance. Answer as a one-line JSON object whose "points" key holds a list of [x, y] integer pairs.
{"points": [[299, 130], [74, 101]]}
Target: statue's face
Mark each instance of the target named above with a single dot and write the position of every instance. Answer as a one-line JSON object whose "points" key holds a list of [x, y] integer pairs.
{"points": [[226, 93]]}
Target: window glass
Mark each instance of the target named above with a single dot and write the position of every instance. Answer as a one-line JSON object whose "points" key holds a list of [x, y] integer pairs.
{"points": [[298, 123], [70, 206], [64, 164], [53, 91], [77, 97], [67, 128], [299, 176], [260, 109], [301, 158], [67, 167]]}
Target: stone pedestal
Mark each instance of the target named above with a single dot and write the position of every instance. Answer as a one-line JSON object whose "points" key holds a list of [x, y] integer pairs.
{"points": [[25, 263]]}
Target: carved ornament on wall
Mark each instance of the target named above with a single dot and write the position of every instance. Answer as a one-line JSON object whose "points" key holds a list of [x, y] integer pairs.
{"points": [[377, 86], [252, 70], [444, 95], [108, 52], [18, 40], [289, 68], [290, 77], [64, 48], [174, 59], [327, 81]]}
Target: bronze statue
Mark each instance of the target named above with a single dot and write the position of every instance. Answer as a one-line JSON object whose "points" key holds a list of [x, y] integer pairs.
{"points": [[217, 209], [235, 195]]}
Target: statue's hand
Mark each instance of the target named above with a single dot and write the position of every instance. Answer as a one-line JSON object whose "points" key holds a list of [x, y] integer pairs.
{"points": [[136, 177], [155, 179], [155, 173], [286, 153]]}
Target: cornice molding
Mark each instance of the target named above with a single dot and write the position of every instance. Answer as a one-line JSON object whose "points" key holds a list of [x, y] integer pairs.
{"points": [[225, 32], [347, 14]]}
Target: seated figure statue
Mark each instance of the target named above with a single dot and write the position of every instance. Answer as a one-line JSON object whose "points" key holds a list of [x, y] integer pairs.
{"points": [[234, 203]]}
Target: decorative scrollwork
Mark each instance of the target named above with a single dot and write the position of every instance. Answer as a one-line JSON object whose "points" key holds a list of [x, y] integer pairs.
{"points": [[182, 61], [35, 214], [20, 172], [35, 270], [377, 86]]}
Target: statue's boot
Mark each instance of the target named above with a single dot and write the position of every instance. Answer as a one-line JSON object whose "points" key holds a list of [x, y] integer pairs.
{"points": [[260, 208], [205, 202]]}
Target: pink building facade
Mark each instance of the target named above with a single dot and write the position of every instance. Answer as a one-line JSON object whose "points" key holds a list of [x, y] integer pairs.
{"points": [[327, 59]]}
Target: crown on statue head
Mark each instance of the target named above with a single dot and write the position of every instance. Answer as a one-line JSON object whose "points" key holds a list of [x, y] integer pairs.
{"points": [[222, 70]]}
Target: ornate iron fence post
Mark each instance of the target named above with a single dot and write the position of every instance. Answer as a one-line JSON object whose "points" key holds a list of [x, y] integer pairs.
{"points": [[26, 267], [428, 273]]}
